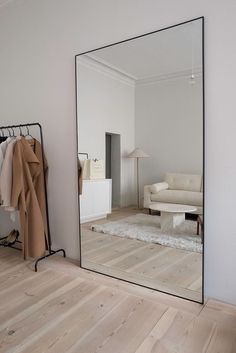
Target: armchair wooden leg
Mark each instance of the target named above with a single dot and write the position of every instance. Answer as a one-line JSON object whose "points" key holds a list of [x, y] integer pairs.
{"points": [[197, 227], [202, 236], [202, 232], [150, 211], [200, 227]]}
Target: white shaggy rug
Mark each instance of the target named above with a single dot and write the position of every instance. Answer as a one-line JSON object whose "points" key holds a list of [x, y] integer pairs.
{"points": [[147, 228]]}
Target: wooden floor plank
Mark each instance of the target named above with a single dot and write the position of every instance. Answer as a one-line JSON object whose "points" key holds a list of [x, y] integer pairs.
{"points": [[197, 336], [58, 264], [32, 282], [166, 287], [185, 273], [15, 275], [30, 310], [223, 340], [100, 244], [67, 309], [92, 237], [77, 324], [167, 332], [33, 300], [219, 316], [138, 256], [26, 331], [127, 328], [167, 259], [114, 250], [9, 262], [168, 269]]}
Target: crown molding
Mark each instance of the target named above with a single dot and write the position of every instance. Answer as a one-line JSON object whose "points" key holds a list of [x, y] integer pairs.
{"points": [[101, 67], [111, 66], [170, 76]]}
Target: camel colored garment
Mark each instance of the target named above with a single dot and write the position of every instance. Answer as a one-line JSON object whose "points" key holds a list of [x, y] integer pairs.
{"points": [[28, 195]]}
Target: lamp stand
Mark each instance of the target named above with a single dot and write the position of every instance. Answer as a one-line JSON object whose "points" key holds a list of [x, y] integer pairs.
{"points": [[138, 205], [138, 153]]}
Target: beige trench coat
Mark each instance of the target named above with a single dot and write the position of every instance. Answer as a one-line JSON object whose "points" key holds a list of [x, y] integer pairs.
{"points": [[28, 195]]}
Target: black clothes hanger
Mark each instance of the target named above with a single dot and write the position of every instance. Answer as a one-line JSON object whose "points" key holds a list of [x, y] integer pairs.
{"points": [[9, 132], [2, 137], [31, 140], [28, 133], [21, 133], [13, 132]]}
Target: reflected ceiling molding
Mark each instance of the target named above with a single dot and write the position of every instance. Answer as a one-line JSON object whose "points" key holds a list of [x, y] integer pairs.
{"points": [[111, 66], [101, 66], [171, 76]]}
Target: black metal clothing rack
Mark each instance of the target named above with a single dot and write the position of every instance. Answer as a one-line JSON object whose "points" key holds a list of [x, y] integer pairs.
{"points": [[49, 241]]}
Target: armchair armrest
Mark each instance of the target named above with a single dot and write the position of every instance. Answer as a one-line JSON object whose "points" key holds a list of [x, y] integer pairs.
{"points": [[146, 196], [155, 188]]}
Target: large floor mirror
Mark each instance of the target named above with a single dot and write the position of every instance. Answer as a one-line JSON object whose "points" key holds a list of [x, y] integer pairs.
{"points": [[140, 118]]}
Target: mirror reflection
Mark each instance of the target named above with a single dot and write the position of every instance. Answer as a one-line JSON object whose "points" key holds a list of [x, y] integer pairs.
{"points": [[140, 157]]}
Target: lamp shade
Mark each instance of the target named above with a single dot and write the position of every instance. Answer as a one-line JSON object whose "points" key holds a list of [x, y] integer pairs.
{"points": [[138, 153]]}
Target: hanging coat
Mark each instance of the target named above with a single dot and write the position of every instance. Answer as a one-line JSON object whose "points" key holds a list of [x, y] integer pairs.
{"points": [[6, 174], [28, 195], [41, 181]]}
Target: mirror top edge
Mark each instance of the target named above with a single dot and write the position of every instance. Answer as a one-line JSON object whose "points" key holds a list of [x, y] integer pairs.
{"points": [[200, 18]]}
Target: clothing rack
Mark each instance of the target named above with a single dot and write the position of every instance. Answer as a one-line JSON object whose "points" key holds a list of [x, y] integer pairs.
{"points": [[49, 241]]}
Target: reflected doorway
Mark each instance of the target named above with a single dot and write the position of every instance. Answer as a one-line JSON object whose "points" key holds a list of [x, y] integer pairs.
{"points": [[113, 159]]}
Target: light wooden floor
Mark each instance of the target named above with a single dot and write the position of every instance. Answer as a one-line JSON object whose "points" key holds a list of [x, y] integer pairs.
{"points": [[63, 308], [164, 268]]}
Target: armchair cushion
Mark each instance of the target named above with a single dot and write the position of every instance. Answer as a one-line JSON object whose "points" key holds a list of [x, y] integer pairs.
{"points": [[187, 182], [191, 198], [155, 188]]}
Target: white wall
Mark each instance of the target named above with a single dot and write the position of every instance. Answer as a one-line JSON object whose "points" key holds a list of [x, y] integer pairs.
{"points": [[106, 104], [38, 41], [169, 127]]}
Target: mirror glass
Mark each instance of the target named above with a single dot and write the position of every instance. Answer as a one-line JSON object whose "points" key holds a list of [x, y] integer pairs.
{"points": [[140, 159]]}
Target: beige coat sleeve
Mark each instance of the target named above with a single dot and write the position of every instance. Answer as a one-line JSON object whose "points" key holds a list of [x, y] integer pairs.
{"points": [[6, 175]]}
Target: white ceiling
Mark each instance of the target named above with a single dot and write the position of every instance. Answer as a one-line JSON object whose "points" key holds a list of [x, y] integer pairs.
{"points": [[174, 50]]}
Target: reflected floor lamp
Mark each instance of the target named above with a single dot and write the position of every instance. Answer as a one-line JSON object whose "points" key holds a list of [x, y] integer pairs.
{"points": [[138, 153]]}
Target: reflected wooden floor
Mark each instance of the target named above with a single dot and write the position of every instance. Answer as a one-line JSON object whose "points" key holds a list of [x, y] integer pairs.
{"points": [[63, 308], [164, 268]]}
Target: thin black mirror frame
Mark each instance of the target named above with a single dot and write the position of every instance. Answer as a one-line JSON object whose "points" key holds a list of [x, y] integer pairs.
{"points": [[203, 117]]}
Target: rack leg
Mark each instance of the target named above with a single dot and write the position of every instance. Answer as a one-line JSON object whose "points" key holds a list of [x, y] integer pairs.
{"points": [[52, 252]]}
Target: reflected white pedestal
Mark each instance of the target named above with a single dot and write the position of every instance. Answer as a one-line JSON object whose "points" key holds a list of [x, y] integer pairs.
{"points": [[171, 220], [172, 215]]}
